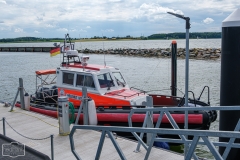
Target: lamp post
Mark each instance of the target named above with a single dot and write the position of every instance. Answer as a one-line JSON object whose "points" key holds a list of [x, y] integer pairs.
{"points": [[187, 19]]}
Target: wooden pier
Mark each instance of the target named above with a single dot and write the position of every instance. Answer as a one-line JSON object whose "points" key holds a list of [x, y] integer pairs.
{"points": [[35, 125], [26, 49]]}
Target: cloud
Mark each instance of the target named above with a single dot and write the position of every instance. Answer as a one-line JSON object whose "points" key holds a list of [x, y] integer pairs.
{"points": [[62, 30], [72, 30], [17, 30], [115, 0], [50, 26], [154, 12], [121, 17], [82, 30], [208, 20], [2, 1], [108, 30], [36, 32]]}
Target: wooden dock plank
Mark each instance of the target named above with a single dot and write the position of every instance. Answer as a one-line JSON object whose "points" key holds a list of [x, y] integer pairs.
{"points": [[86, 142]]}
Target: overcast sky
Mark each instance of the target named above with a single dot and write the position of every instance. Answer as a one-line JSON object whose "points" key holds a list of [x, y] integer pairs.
{"points": [[88, 18]]}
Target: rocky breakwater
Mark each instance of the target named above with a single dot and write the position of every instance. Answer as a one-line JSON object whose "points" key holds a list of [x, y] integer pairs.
{"points": [[194, 53]]}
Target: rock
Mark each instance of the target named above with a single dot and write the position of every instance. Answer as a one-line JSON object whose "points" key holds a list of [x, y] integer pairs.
{"points": [[180, 53], [192, 55], [199, 55], [182, 56], [206, 56]]}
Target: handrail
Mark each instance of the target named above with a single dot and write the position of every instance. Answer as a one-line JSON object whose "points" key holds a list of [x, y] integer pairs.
{"points": [[142, 91], [188, 99], [166, 111], [208, 94], [197, 134], [125, 96]]}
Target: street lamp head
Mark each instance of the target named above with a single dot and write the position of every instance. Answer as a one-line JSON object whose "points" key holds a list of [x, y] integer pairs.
{"points": [[187, 19], [177, 15]]}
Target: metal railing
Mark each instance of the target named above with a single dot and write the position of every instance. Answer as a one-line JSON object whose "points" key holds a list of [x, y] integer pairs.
{"points": [[183, 133], [197, 134], [166, 111]]}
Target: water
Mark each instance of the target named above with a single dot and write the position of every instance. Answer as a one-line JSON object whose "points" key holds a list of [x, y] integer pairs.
{"points": [[135, 44], [144, 73]]}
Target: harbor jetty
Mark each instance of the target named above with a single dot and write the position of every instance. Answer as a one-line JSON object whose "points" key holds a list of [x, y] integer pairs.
{"points": [[194, 53], [30, 129], [26, 49]]}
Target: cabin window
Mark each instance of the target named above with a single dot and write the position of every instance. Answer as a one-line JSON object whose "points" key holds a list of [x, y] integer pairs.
{"points": [[105, 80], [68, 78], [85, 80], [119, 79]]}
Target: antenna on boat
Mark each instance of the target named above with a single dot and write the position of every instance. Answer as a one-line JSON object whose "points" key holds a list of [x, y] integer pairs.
{"points": [[104, 53], [80, 44]]}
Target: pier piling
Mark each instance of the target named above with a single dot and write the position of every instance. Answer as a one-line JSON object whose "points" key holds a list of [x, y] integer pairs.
{"points": [[230, 78]]}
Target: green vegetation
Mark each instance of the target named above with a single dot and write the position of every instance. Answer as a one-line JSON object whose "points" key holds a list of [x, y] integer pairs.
{"points": [[29, 39], [193, 35]]}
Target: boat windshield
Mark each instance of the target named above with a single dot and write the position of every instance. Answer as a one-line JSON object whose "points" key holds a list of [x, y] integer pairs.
{"points": [[85, 80], [105, 80], [119, 78]]}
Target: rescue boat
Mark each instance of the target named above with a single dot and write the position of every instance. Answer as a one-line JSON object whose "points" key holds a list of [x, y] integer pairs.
{"points": [[112, 95]]}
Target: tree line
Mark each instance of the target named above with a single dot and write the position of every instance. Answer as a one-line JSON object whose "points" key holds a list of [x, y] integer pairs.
{"points": [[193, 35]]}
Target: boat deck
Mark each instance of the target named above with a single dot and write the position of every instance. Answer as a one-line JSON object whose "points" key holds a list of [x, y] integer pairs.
{"points": [[38, 126]]}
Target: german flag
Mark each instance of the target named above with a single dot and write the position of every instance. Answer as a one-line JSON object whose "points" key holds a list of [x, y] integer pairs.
{"points": [[55, 52]]}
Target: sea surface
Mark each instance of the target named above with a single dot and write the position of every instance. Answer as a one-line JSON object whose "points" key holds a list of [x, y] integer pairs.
{"points": [[134, 44], [144, 73]]}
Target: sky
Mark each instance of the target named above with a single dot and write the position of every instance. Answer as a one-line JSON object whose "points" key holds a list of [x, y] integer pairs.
{"points": [[110, 18]]}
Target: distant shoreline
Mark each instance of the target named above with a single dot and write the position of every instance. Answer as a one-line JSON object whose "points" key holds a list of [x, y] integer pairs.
{"points": [[97, 40]]}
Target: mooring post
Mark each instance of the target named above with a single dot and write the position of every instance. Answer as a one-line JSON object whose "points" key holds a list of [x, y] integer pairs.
{"points": [[174, 68], [14, 101], [21, 93], [230, 78], [149, 118], [63, 115]]}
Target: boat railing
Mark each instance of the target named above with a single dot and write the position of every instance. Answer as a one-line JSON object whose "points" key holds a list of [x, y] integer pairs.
{"points": [[208, 92], [119, 94], [142, 91], [46, 93], [194, 99]]}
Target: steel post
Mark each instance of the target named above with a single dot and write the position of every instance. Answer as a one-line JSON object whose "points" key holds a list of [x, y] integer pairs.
{"points": [[52, 147], [85, 106], [14, 101], [4, 129], [21, 93], [149, 118]]}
